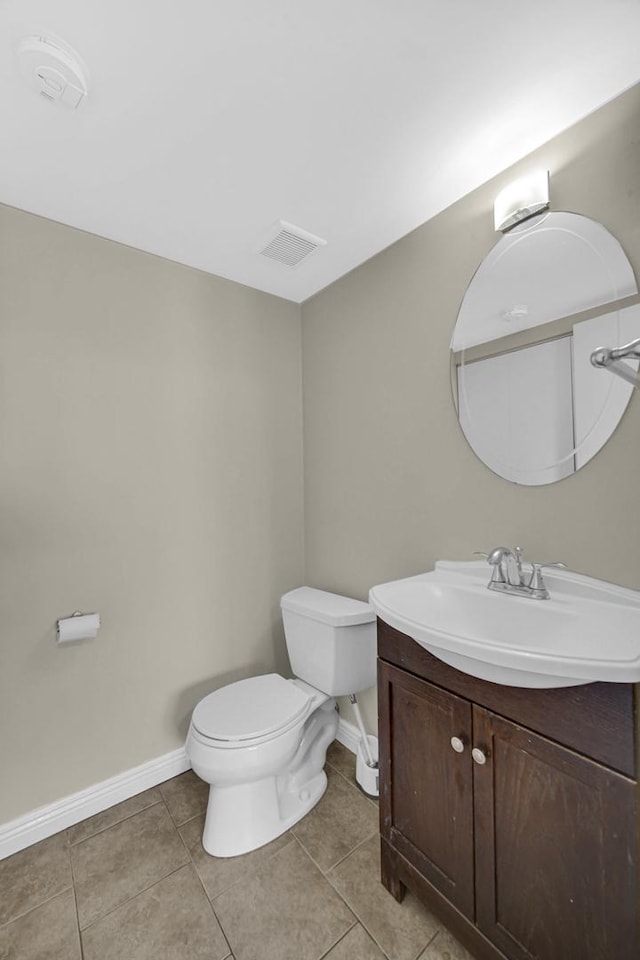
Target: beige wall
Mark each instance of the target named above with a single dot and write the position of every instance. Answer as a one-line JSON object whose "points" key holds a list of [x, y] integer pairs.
{"points": [[390, 482], [151, 470]]}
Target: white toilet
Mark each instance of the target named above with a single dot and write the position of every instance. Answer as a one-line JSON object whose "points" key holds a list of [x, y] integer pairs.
{"points": [[261, 743]]}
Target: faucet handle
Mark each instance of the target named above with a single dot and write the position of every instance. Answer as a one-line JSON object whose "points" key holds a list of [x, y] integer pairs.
{"points": [[537, 581], [480, 553]]}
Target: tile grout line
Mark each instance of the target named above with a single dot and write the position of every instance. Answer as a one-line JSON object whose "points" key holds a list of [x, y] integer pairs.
{"points": [[294, 840], [129, 899], [97, 833], [206, 895], [75, 897], [354, 786], [339, 940], [242, 880], [193, 864], [144, 890], [358, 792], [189, 863], [307, 854], [337, 892], [20, 916], [357, 915], [164, 799], [218, 921], [374, 833], [339, 772], [338, 862], [426, 947], [190, 820]]}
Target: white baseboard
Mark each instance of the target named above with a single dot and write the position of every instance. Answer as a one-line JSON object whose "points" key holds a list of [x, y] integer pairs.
{"points": [[45, 821], [348, 735]]}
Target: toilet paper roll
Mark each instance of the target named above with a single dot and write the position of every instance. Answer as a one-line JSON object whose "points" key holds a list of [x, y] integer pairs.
{"points": [[82, 626]]}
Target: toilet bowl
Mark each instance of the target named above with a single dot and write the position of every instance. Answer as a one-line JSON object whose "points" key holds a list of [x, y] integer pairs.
{"points": [[261, 743]]}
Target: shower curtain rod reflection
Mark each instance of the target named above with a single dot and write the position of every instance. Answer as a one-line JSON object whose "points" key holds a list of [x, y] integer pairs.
{"points": [[611, 359]]}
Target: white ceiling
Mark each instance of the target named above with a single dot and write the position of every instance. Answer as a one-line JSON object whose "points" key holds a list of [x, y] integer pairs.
{"points": [[357, 120]]}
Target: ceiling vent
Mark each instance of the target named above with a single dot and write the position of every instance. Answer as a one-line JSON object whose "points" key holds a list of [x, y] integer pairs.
{"points": [[291, 245]]}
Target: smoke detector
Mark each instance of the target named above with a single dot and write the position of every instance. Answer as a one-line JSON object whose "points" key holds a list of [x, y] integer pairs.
{"points": [[290, 244], [53, 70]]}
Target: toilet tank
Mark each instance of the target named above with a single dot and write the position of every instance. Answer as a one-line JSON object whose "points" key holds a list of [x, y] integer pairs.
{"points": [[331, 640]]}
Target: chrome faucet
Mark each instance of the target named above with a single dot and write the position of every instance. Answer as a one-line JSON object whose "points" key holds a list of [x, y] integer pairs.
{"points": [[508, 575], [507, 566]]}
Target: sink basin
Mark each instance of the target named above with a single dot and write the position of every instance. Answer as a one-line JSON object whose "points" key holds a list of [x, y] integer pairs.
{"points": [[589, 630]]}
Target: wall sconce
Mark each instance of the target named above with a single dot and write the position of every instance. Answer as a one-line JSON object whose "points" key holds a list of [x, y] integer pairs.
{"points": [[521, 199]]}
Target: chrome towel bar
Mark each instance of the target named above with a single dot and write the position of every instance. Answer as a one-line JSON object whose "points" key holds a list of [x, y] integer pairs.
{"points": [[611, 359]]}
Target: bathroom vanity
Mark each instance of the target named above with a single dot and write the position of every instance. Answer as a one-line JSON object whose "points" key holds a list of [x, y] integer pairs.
{"points": [[512, 813]]}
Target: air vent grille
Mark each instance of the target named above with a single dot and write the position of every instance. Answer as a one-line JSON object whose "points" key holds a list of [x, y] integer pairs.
{"points": [[291, 245]]}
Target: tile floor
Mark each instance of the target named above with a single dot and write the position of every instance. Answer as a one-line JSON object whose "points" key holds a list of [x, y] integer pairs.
{"points": [[133, 883]]}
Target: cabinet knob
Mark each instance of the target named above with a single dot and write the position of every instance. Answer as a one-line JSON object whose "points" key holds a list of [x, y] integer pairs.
{"points": [[479, 755], [458, 744]]}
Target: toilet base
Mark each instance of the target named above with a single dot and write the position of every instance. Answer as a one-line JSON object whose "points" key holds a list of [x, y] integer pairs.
{"points": [[242, 818]]}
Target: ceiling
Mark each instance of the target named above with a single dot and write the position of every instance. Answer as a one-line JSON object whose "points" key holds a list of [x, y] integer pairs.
{"points": [[207, 122]]}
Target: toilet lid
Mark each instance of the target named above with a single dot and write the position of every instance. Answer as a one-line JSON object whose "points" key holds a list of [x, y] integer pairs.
{"points": [[250, 708]]}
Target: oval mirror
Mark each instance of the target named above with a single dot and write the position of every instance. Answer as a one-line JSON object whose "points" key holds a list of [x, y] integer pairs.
{"points": [[530, 403]]}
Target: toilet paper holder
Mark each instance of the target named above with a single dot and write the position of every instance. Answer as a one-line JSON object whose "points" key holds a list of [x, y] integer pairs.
{"points": [[79, 626]]}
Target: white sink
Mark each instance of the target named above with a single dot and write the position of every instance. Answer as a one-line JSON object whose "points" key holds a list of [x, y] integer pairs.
{"points": [[589, 630]]}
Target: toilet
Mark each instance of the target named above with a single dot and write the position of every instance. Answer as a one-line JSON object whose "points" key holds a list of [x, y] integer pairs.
{"points": [[261, 743]]}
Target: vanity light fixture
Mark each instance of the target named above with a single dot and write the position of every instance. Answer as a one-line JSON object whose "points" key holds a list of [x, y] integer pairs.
{"points": [[521, 199]]}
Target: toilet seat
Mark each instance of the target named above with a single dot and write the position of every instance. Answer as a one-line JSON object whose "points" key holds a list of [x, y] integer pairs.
{"points": [[251, 711]]}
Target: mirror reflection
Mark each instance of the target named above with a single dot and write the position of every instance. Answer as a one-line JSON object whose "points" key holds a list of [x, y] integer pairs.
{"points": [[529, 401]]}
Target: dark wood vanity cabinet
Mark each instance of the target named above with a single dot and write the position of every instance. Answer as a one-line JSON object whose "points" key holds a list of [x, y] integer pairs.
{"points": [[530, 850]]}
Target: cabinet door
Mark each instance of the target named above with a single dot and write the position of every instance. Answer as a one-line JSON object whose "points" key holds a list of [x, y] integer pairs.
{"points": [[555, 849], [426, 803]]}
